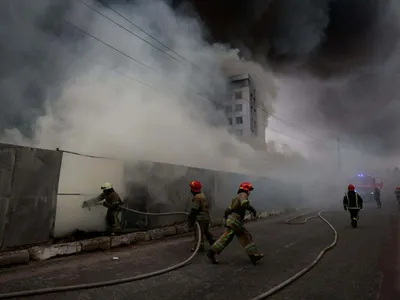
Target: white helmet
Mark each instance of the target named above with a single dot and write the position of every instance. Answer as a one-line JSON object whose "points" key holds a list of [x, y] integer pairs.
{"points": [[106, 186]]}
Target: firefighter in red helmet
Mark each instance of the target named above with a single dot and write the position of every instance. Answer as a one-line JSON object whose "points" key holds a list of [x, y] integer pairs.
{"points": [[234, 226], [200, 213], [353, 202]]}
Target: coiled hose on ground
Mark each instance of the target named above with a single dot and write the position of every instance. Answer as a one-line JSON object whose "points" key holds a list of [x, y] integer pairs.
{"points": [[174, 267]]}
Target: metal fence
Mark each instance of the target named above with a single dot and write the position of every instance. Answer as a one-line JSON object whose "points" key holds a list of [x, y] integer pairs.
{"points": [[28, 194]]}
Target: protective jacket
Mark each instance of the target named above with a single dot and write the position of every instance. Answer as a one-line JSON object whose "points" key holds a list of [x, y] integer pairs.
{"points": [[199, 209], [236, 212], [377, 193], [352, 200], [112, 199]]}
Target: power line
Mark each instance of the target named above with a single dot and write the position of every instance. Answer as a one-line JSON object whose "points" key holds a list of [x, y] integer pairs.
{"points": [[295, 138], [136, 60], [133, 78], [155, 70], [131, 32], [302, 130], [162, 93], [310, 134], [112, 47], [148, 34]]}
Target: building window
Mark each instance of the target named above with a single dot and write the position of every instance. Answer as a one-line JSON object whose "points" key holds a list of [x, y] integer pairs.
{"points": [[230, 121], [239, 132], [238, 107], [239, 120], [228, 109], [238, 95]]}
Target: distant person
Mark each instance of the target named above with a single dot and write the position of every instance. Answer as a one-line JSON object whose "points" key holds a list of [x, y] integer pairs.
{"points": [[377, 196], [200, 213], [234, 226], [353, 202], [112, 202], [397, 194]]}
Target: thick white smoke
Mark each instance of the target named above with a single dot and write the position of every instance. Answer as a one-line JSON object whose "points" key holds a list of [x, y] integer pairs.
{"points": [[113, 105]]}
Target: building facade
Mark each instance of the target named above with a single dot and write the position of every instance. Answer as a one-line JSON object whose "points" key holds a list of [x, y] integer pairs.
{"points": [[243, 110]]}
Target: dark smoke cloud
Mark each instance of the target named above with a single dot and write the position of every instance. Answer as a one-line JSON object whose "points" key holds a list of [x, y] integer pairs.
{"points": [[355, 40], [35, 47]]}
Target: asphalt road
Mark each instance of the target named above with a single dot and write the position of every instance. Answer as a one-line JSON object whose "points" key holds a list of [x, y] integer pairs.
{"points": [[362, 265]]}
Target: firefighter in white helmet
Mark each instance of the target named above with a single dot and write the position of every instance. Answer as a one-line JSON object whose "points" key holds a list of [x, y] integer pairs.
{"points": [[112, 202]]}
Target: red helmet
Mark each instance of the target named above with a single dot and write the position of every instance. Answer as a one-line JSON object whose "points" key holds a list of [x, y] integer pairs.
{"points": [[195, 186], [246, 186], [351, 187]]}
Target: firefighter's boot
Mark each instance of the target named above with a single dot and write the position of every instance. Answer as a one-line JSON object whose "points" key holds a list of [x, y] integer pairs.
{"points": [[354, 222], [211, 255], [255, 258]]}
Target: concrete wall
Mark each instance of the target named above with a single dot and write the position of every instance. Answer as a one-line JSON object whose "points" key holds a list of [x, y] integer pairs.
{"points": [[158, 187], [42, 191], [153, 187], [28, 194]]}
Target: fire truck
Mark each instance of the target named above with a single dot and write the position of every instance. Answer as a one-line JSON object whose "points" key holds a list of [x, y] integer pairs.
{"points": [[365, 186]]}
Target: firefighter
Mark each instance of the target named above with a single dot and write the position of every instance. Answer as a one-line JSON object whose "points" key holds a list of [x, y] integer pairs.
{"points": [[397, 193], [353, 202], [377, 196], [199, 212], [234, 216], [112, 202]]}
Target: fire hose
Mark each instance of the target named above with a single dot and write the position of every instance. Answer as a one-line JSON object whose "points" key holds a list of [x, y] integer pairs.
{"points": [[310, 266], [179, 265], [93, 285]]}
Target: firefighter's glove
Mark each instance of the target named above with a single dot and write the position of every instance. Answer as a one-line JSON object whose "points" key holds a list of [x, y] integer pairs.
{"points": [[85, 204], [227, 213]]}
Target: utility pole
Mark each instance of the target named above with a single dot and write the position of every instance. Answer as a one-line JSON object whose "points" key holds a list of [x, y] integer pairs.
{"points": [[339, 160]]}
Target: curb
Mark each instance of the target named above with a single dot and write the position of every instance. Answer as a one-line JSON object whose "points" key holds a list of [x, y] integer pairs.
{"points": [[14, 257], [40, 253]]}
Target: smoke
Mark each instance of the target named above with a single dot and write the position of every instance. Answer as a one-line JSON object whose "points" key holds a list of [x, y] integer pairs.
{"points": [[338, 62], [75, 80], [32, 41], [130, 101], [101, 90]]}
